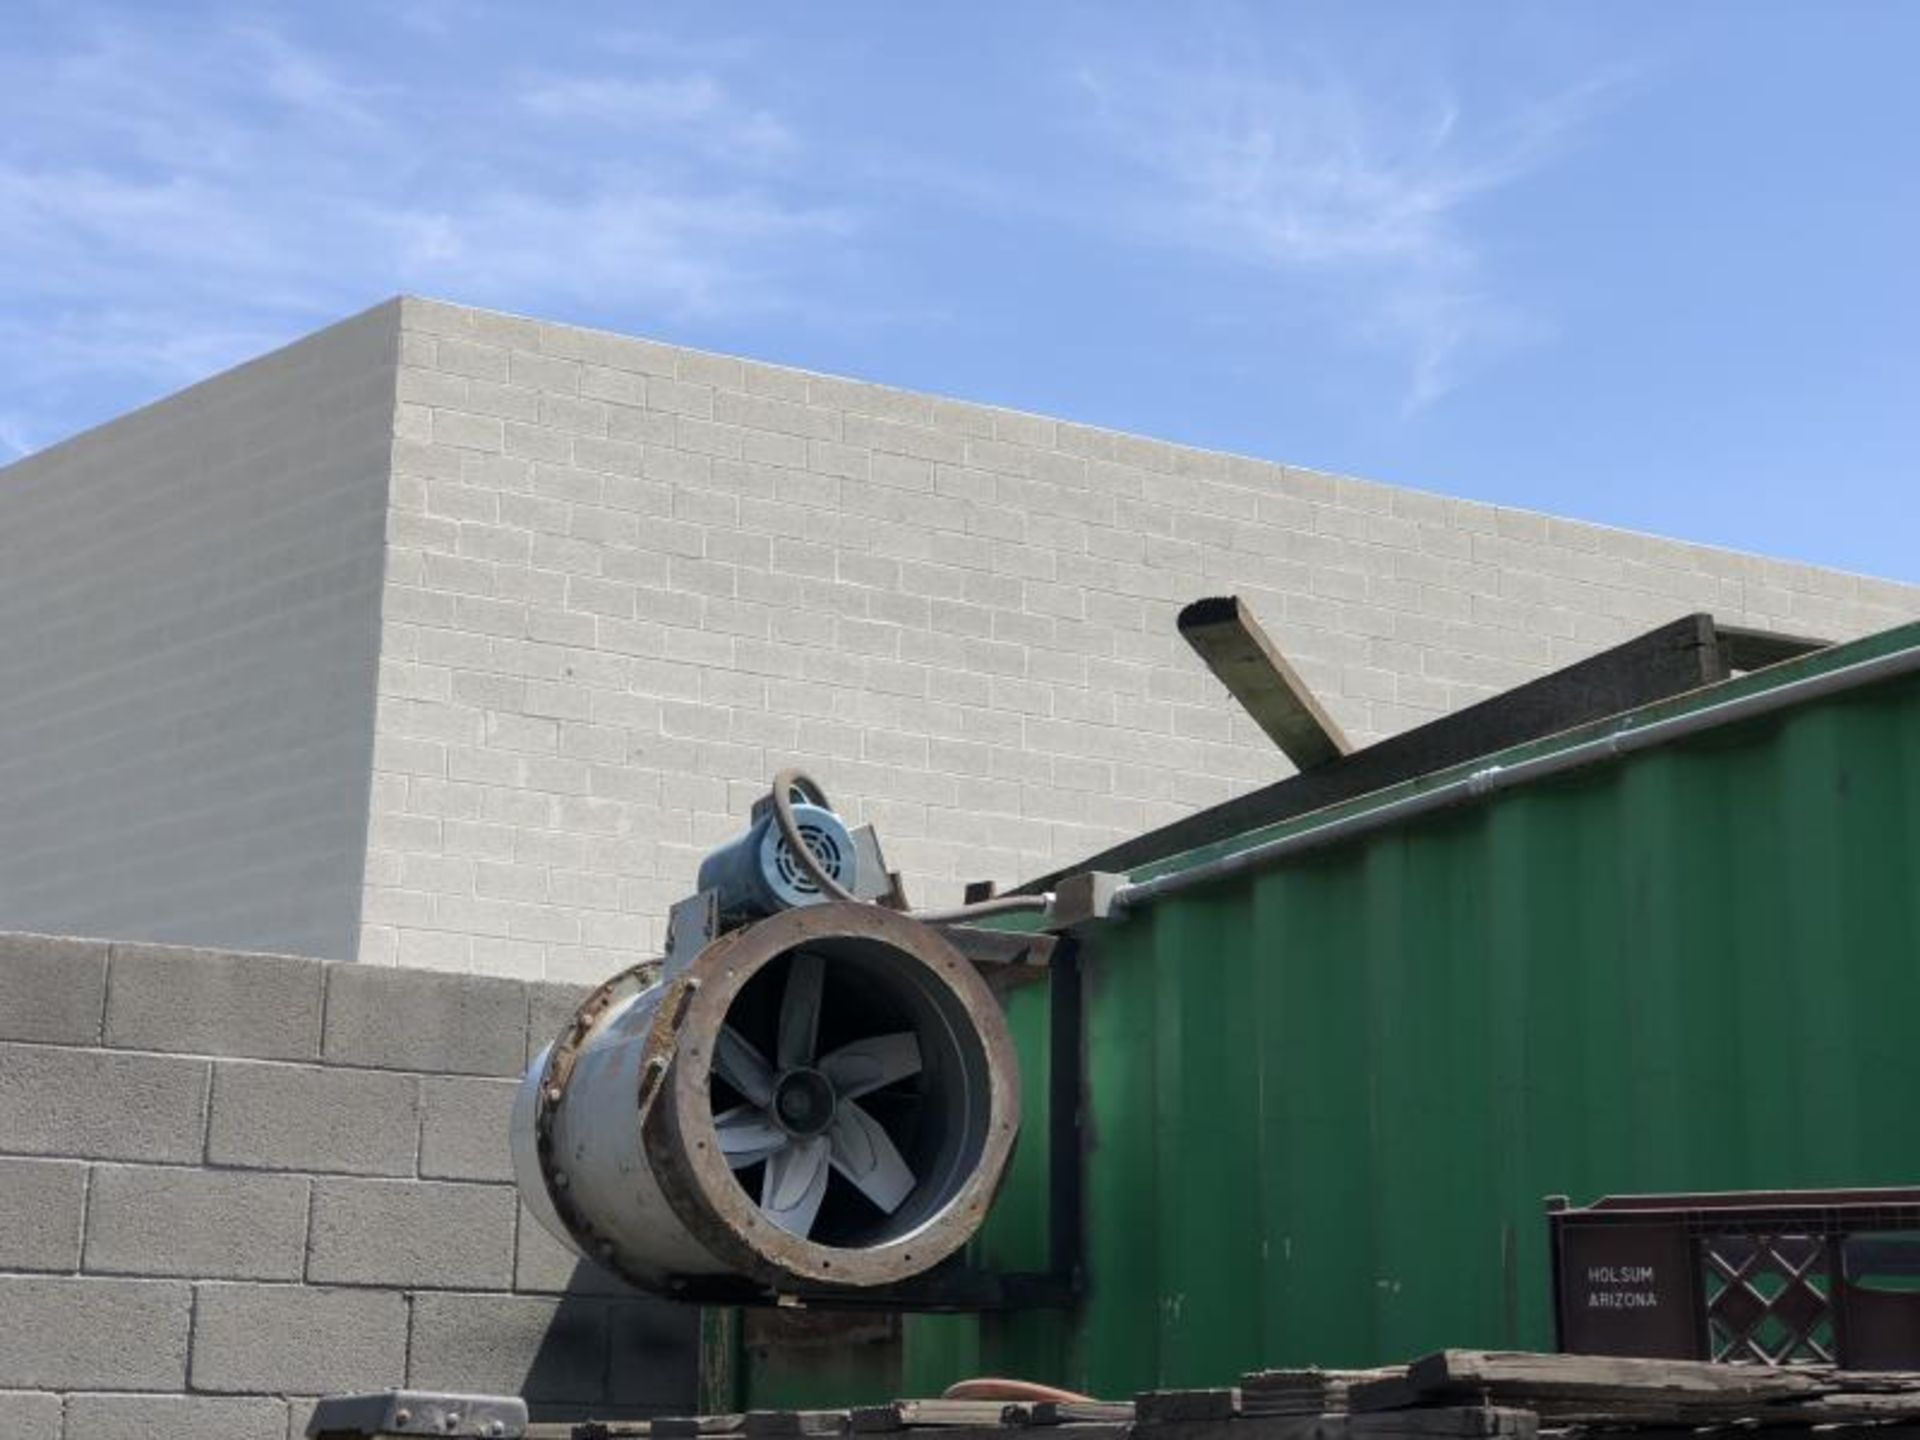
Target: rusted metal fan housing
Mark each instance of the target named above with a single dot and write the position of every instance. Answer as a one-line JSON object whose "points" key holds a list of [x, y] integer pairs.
{"points": [[826, 1097]]}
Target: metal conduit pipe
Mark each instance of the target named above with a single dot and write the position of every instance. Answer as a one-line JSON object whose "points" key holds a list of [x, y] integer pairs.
{"points": [[1494, 778], [981, 909], [785, 785]]}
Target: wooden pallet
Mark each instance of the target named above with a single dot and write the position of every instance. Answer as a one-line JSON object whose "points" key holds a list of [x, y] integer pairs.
{"points": [[1303, 1392], [1565, 1390], [1449, 1395]]}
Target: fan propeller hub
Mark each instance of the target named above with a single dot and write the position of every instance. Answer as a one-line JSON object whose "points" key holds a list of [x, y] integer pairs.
{"points": [[803, 1103]]}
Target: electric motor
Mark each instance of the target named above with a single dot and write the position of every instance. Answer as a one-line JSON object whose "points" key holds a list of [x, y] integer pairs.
{"points": [[758, 873]]}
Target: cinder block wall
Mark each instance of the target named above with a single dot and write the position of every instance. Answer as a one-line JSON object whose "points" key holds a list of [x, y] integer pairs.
{"points": [[453, 640], [189, 625], [626, 582], [232, 1182]]}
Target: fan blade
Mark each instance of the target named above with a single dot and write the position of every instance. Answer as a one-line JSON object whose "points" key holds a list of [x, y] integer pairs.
{"points": [[868, 1064], [800, 1011], [743, 1067], [747, 1135], [863, 1153], [795, 1182]]}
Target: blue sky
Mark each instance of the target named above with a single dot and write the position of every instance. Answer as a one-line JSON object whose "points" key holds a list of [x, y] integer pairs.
{"points": [[1647, 264]]}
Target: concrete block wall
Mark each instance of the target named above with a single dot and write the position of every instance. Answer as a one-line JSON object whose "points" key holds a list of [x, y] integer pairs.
{"points": [[189, 623], [627, 582], [230, 1183], [449, 640]]}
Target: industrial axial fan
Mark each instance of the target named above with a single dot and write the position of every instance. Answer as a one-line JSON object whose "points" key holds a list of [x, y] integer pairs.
{"points": [[811, 1091]]}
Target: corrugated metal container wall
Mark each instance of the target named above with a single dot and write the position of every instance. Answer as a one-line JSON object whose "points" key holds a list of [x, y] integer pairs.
{"points": [[1326, 1100]]}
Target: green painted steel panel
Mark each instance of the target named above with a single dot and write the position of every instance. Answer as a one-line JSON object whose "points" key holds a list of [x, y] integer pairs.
{"points": [[814, 1379], [1326, 1100]]}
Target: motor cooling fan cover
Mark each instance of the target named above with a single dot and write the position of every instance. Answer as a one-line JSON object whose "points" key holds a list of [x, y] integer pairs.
{"points": [[829, 843], [827, 1096]]}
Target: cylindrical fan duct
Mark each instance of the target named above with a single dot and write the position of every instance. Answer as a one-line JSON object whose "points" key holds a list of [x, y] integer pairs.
{"points": [[826, 1097]]}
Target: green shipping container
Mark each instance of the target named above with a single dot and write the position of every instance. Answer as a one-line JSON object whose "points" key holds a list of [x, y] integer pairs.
{"points": [[1324, 1099]]}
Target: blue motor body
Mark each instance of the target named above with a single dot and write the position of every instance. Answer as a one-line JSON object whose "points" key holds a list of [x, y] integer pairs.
{"points": [[756, 873]]}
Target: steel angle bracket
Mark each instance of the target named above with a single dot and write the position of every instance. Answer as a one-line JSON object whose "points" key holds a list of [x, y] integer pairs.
{"points": [[418, 1412]]}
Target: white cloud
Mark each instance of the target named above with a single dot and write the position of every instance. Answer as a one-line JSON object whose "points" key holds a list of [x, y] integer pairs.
{"points": [[682, 254], [178, 196], [16, 438], [695, 108], [1362, 196], [301, 81]]}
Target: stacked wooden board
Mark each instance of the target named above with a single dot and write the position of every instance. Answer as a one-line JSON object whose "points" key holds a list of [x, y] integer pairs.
{"points": [[1304, 1392], [1451, 1395]]}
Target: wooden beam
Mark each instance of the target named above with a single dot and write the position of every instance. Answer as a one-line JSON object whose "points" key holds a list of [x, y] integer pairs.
{"points": [[898, 1415], [1748, 649], [1224, 633], [1079, 1412], [1680, 656], [786, 1424], [1152, 1407], [1529, 1376], [1625, 1391]]}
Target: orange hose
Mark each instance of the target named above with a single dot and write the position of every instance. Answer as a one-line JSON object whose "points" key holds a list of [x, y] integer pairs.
{"points": [[993, 1387]]}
